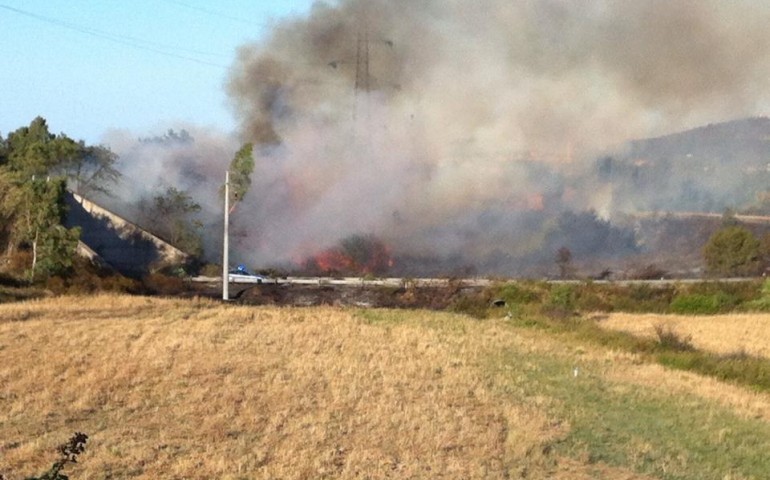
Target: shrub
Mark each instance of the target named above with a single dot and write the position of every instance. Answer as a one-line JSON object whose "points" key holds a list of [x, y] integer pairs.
{"points": [[732, 250], [517, 293], [560, 303], [763, 302], [160, 284], [739, 367], [703, 304], [593, 297], [643, 298], [68, 453], [477, 306], [88, 278], [211, 270], [670, 340], [648, 272]]}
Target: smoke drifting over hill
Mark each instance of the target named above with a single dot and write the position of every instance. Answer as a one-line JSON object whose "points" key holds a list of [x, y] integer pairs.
{"points": [[463, 130], [426, 121]]}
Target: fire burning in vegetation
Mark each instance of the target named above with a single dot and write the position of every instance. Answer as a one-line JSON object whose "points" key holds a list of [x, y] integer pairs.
{"points": [[466, 137], [355, 255], [426, 123]]}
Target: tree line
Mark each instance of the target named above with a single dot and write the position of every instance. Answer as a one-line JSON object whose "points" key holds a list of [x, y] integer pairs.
{"points": [[37, 168]]}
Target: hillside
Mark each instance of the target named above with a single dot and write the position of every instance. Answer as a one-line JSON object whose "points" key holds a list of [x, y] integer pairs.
{"points": [[706, 169], [745, 141]]}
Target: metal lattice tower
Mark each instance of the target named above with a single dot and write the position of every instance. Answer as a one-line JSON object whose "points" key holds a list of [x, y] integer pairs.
{"points": [[362, 61]]}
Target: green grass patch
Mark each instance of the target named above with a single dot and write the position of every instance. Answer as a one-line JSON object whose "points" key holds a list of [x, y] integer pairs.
{"points": [[615, 423], [521, 293], [739, 367], [668, 349], [762, 303], [669, 437], [703, 303], [701, 298]]}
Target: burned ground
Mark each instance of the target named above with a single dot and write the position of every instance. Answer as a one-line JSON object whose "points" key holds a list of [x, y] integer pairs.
{"points": [[432, 298]]}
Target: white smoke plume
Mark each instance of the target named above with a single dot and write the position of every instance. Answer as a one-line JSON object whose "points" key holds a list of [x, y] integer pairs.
{"points": [[187, 157], [413, 119]]}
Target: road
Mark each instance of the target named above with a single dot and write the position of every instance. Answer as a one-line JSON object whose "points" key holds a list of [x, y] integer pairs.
{"points": [[463, 282]]}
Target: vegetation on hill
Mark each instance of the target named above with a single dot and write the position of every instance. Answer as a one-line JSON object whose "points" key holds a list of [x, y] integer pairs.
{"points": [[706, 169], [731, 251]]}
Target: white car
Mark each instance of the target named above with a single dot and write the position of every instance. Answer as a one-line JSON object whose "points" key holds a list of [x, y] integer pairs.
{"points": [[241, 275]]}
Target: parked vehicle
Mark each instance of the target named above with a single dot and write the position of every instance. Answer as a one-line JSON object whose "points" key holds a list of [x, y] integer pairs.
{"points": [[241, 274]]}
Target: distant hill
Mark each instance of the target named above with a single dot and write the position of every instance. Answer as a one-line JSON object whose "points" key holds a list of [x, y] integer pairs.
{"points": [[745, 142], [706, 169]]}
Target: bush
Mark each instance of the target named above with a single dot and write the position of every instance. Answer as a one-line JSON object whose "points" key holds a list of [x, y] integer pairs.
{"points": [[160, 284], [648, 272], [763, 302], [643, 298], [738, 367], [89, 278], [472, 306], [593, 297], [670, 340], [732, 250], [518, 293], [211, 270], [560, 303], [703, 304], [68, 453]]}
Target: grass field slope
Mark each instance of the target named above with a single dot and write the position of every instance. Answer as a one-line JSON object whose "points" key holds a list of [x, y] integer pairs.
{"points": [[724, 334], [199, 389]]}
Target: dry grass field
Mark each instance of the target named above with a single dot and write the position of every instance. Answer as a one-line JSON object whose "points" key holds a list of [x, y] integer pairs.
{"points": [[197, 389], [724, 334]]}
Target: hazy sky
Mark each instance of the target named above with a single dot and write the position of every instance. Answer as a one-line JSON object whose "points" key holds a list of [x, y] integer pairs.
{"points": [[89, 66]]}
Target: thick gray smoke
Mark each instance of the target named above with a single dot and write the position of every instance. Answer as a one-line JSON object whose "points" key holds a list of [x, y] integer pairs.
{"points": [[188, 158], [424, 121]]}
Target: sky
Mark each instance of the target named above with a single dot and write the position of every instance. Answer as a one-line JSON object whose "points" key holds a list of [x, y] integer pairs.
{"points": [[92, 66]]}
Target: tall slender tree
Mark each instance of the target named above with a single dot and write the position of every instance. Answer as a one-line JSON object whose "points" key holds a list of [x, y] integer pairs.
{"points": [[241, 168]]}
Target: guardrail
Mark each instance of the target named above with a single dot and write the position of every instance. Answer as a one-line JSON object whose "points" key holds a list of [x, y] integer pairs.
{"points": [[361, 281]]}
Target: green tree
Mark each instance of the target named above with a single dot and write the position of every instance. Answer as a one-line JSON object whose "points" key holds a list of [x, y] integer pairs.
{"points": [[35, 166], [173, 217], [732, 250], [34, 152], [88, 169], [764, 250], [3, 152], [7, 208], [40, 208], [30, 150], [241, 168], [564, 262]]}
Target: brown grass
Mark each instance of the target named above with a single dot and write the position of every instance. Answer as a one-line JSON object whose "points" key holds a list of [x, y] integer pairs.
{"points": [[724, 334], [196, 389]]}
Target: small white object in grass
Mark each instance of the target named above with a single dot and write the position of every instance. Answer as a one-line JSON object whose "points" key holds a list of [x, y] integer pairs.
{"points": [[575, 371]]}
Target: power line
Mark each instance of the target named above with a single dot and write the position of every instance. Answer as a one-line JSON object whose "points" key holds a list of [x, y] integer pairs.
{"points": [[126, 40], [214, 13]]}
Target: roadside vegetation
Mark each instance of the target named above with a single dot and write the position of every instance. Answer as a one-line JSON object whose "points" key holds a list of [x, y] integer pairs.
{"points": [[197, 389]]}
